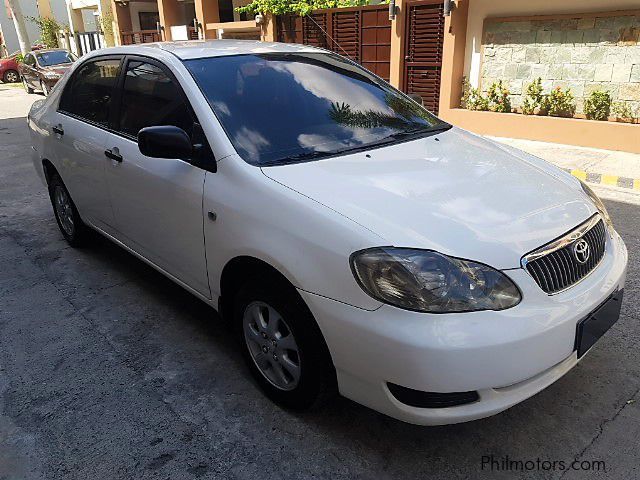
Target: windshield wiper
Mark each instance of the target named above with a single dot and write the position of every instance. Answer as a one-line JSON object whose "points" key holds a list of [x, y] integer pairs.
{"points": [[389, 139], [421, 130]]}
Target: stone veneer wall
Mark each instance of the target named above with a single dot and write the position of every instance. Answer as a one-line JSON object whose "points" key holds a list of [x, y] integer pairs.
{"points": [[584, 53]]}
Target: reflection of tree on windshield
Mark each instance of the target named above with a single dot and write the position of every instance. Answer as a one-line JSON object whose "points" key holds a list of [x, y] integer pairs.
{"points": [[407, 114]]}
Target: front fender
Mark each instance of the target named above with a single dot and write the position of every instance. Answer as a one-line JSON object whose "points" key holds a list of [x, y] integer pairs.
{"points": [[307, 242]]}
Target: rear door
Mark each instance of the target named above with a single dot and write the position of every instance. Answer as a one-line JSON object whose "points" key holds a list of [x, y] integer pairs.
{"points": [[157, 202], [79, 132]]}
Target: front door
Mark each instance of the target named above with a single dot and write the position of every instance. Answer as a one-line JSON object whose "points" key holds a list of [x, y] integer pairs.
{"points": [[157, 202]]}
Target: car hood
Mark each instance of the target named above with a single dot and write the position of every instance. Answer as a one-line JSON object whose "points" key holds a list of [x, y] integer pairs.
{"points": [[454, 192]]}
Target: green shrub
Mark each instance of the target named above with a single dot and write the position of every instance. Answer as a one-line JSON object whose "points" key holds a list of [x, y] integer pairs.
{"points": [[559, 103], [534, 98], [498, 98], [623, 110], [598, 105], [472, 99]]}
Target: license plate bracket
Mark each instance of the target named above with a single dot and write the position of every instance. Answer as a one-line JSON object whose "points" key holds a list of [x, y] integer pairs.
{"points": [[590, 329]]}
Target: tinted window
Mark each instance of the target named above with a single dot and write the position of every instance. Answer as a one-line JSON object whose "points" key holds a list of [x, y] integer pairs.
{"points": [[151, 98], [282, 108], [89, 92], [58, 57]]}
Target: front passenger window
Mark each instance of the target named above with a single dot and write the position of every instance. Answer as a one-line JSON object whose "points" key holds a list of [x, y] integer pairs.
{"points": [[88, 94], [151, 98]]}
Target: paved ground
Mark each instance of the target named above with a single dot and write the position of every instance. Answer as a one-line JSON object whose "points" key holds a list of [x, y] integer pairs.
{"points": [[592, 160], [109, 371]]}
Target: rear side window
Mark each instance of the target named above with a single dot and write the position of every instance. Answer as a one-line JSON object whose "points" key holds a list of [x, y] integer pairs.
{"points": [[90, 91]]}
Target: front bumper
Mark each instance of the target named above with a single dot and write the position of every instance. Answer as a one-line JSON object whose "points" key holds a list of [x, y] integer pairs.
{"points": [[506, 356]]}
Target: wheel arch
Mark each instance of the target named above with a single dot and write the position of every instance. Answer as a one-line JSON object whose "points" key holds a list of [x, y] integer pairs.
{"points": [[235, 273], [239, 269], [49, 169]]}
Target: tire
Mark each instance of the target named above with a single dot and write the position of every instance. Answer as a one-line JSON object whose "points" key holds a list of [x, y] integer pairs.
{"points": [[294, 340], [26, 86], [75, 232], [11, 76], [44, 89]]}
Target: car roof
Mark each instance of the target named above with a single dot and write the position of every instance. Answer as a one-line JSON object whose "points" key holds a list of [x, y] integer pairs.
{"points": [[191, 49]]}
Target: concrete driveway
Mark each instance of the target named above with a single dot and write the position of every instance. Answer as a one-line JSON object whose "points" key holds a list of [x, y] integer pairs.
{"points": [[110, 371]]}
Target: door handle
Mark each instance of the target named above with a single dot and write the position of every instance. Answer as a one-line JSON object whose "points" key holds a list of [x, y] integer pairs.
{"points": [[58, 129], [113, 155]]}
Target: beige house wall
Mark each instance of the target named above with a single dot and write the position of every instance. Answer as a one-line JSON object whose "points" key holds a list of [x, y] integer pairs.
{"points": [[462, 54], [572, 131]]}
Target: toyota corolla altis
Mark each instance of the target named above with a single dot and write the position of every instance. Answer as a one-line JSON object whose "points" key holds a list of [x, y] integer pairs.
{"points": [[356, 241]]}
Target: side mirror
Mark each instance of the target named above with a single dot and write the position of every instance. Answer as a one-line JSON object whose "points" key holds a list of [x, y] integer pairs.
{"points": [[165, 141], [416, 98]]}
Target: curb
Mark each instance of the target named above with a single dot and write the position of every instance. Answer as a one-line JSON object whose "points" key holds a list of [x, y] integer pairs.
{"points": [[604, 179]]}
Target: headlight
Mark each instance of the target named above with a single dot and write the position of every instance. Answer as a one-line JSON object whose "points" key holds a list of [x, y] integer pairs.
{"points": [[597, 202], [427, 281]]}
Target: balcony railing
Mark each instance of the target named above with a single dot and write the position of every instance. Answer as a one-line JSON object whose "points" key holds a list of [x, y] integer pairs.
{"points": [[149, 36], [140, 36]]}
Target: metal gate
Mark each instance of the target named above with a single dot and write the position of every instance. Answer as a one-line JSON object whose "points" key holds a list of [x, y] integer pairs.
{"points": [[361, 33], [424, 36], [89, 41]]}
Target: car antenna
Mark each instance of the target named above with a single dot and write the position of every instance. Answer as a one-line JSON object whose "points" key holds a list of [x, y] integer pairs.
{"points": [[330, 37]]}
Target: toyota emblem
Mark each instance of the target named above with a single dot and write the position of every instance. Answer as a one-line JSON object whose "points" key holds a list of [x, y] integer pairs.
{"points": [[581, 251]]}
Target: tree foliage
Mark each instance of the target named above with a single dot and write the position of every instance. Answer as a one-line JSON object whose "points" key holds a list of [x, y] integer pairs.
{"points": [[302, 7], [49, 29]]}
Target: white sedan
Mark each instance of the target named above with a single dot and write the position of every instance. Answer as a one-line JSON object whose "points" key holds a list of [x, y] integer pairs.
{"points": [[357, 242]]}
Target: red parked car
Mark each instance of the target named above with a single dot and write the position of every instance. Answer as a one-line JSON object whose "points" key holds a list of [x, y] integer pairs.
{"points": [[9, 69]]}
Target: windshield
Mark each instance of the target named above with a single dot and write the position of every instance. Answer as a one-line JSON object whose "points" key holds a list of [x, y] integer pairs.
{"points": [[283, 108], [48, 59]]}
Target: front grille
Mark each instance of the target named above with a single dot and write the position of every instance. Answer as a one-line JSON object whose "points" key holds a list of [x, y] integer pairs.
{"points": [[555, 267]]}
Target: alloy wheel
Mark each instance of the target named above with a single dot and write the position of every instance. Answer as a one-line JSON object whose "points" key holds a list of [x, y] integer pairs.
{"points": [[64, 209], [272, 345], [11, 77]]}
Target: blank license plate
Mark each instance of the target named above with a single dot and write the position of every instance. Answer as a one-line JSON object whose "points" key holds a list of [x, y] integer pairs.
{"points": [[598, 322]]}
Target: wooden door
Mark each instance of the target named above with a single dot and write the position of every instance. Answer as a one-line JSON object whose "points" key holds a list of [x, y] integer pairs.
{"points": [[424, 36]]}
